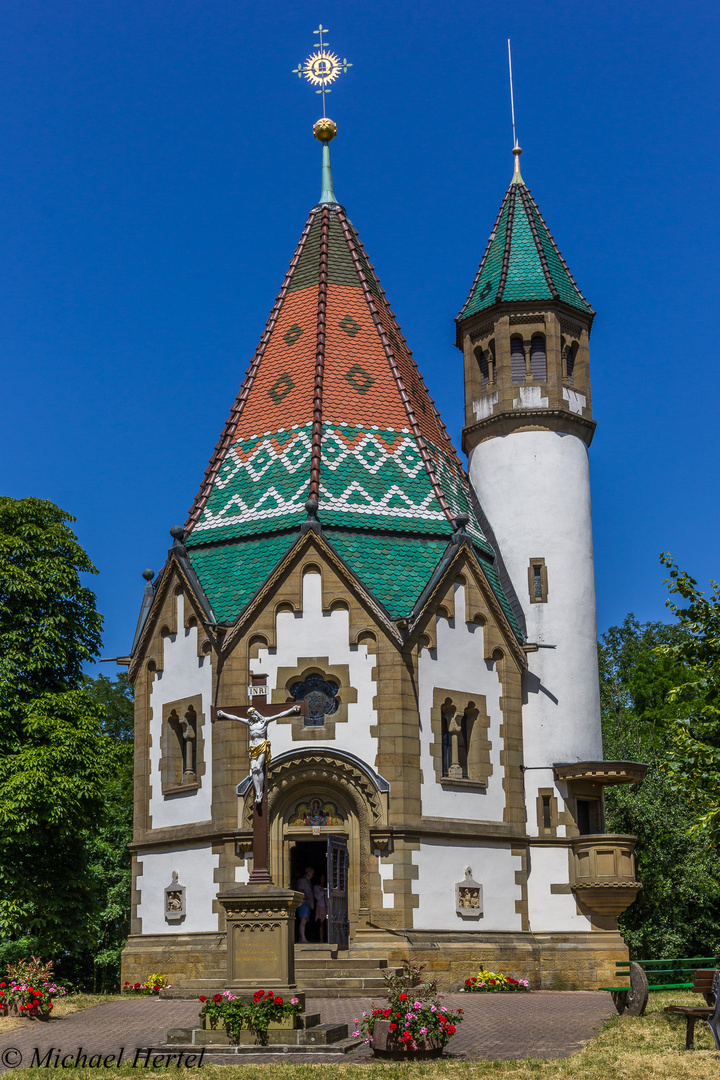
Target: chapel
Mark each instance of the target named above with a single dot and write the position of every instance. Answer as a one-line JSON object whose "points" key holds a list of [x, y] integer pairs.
{"points": [[437, 622]]}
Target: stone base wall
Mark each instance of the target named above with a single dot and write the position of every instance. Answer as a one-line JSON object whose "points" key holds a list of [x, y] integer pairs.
{"points": [[180, 957], [581, 961]]}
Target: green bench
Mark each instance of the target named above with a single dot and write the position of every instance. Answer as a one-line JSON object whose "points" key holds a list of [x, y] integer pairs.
{"points": [[647, 976]]}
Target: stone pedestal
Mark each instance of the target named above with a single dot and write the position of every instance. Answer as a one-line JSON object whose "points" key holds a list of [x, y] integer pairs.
{"points": [[260, 938]]}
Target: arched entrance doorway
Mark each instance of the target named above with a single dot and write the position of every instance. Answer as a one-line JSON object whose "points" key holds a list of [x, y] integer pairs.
{"points": [[322, 807]]}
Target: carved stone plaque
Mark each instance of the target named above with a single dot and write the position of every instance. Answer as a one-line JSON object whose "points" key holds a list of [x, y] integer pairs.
{"points": [[174, 900], [469, 897]]}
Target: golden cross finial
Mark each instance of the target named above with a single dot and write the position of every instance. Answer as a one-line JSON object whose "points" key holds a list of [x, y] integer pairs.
{"points": [[322, 66]]}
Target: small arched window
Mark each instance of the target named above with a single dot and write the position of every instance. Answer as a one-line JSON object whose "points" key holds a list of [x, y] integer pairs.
{"points": [[538, 358], [570, 362], [482, 359], [517, 360]]}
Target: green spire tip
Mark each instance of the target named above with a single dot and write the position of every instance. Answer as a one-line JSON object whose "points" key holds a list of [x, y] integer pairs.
{"points": [[327, 195]]}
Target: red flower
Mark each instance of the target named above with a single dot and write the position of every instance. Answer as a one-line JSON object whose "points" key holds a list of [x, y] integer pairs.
{"points": [[403, 997], [407, 1037], [386, 1013], [217, 997], [50, 1005], [468, 982], [124, 984], [392, 1027], [492, 981], [259, 993], [475, 979], [136, 986], [442, 1018], [270, 994], [450, 1029], [202, 998], [461, 1011], [278, 1001]]}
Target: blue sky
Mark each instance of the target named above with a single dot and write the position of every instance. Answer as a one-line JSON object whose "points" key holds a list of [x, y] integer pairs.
{"points": [[156, 169]]}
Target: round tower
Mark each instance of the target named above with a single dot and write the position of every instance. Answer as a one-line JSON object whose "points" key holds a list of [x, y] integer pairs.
{"points": [[524, 334]]}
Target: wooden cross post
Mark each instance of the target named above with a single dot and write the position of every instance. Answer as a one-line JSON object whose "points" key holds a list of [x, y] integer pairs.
{"points": [[257, 692]]}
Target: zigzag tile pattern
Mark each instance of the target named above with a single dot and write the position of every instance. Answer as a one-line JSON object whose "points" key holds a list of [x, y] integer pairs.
{"points": [[333, 393]]}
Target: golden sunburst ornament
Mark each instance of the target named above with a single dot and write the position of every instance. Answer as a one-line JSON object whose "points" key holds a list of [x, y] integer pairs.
{"points": [[322, 66]]}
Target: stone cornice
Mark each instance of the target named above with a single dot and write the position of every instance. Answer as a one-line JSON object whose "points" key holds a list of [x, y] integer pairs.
{"points": [[509, 421]]}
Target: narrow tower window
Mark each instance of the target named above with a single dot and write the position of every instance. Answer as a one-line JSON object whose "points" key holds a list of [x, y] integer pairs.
{"points": [[570, 363], [482, 359], [538, 358], [538, 581], [517, 360]]}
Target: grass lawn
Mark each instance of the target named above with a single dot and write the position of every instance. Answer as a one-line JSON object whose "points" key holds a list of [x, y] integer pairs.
{"points": [[627, 1048]]}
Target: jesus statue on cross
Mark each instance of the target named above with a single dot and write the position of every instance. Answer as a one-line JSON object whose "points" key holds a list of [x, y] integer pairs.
{"points": [[259, 742]]}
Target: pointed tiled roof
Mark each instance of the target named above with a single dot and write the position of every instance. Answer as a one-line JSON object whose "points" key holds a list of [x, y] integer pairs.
{"points": [[522, 262], [332, 409]]}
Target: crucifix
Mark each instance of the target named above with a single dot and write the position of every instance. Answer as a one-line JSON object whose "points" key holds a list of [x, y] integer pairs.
{"points": [[257, 724]]}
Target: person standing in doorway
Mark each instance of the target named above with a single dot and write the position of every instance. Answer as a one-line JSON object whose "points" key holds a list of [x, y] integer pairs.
{"points": [[304, 885], [321, 907]]}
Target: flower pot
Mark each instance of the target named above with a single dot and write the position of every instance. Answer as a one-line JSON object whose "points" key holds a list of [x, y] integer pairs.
{"points": [[389, 1044]]}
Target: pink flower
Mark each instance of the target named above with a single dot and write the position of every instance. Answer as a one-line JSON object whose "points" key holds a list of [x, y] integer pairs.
{"points": [[417, 1005], [433, 1008], [294, 1001], [355, 1034], [423, 1031]]}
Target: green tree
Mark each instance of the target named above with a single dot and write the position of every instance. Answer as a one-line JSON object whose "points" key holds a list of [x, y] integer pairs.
{"points": [[678, 911], [692, 761], [108, 839], [55, 758]]}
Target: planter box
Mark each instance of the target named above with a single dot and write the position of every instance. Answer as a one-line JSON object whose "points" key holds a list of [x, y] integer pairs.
{"points": [[389, 1044]]}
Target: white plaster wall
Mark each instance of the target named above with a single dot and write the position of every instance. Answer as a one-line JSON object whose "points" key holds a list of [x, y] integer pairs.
{"points": [[550, 912], [441, 864], [385, 869], [184, 675], [459, 664], [195, 867], [306, 637], [535, 489]]}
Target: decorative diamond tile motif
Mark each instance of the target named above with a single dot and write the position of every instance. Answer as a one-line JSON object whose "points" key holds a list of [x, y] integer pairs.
{"points": [[336, 395]]}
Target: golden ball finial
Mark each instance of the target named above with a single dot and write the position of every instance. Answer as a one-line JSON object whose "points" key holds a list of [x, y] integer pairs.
{"points": [[325, 130]]}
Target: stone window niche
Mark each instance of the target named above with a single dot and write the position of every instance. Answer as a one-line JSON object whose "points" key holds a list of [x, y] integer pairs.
{"points": [[538, 359], [182, 763], [538, 581], [460, 744], [517, 359], [548, 816]]}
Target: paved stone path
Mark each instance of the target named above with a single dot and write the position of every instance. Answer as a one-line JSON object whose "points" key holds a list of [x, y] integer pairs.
{"points": [[541, 1024]]}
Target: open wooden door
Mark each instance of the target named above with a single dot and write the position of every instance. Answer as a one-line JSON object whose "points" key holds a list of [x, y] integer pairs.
{"points": [[337, 879]]}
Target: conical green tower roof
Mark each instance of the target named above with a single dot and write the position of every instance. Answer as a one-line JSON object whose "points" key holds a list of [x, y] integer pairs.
{"points": [[522, 262]]}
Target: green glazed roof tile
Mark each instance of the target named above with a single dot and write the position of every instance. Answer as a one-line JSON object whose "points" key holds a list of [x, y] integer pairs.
{"points": [[232, 573], [522, 262], [395, 569]]}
